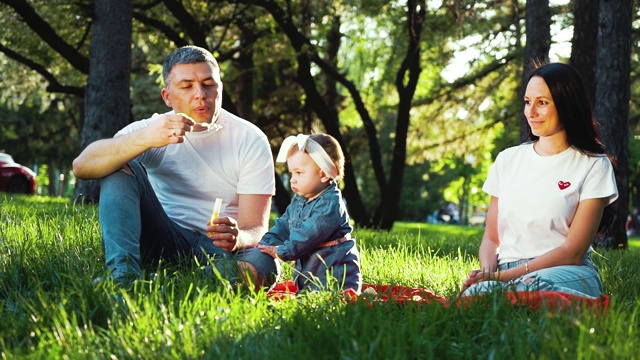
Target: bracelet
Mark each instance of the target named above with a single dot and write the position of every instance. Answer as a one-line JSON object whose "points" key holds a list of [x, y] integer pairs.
{"points": [[526, 267]]}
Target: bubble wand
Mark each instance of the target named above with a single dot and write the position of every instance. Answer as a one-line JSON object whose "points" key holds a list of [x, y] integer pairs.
{"points": [[216, 210], [209, 126]]}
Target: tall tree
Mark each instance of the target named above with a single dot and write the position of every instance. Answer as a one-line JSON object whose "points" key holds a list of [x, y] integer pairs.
{"points": [[584, 41], [406, 82], [245, 65], [613, 65], [107, 104], [536, 49]]}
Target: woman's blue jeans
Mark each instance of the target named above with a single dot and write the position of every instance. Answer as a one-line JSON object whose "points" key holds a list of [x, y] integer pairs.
{"points": [[581, 280], [136, 232]]}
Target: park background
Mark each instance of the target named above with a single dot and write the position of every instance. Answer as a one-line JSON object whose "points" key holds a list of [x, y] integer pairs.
{"points": [[421, 95]]}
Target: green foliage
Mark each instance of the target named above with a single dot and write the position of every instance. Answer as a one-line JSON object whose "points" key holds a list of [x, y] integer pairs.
{"points": [[146, 84], [69, 20], [38, 131], [50, 251], [414, 200], [459, 108]]}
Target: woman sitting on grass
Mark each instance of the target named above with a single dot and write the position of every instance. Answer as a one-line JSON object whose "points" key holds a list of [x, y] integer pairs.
{"points": [[315, 230], [548, 195]]}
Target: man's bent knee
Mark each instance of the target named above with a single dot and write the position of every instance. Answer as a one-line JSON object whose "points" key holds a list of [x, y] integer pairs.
{"points": [[250, 274]]}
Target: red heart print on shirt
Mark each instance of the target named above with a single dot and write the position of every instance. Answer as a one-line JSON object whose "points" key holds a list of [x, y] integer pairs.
{"points": [[563, 184]]}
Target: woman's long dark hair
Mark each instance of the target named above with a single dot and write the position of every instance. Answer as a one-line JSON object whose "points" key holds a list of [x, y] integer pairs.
{"points": [[575, 113], [572, 103]]}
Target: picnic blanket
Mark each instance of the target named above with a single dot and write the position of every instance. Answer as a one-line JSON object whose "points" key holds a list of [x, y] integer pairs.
{"points": [[553, 301]]}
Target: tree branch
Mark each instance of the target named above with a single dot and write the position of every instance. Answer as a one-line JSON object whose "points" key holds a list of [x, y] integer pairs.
{"points": [[54, 85], [470, 79], [48, 34], [191, 26], [171, 34]]}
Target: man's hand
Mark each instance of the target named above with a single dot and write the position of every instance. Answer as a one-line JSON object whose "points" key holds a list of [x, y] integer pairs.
{"points": [[169, 129], [224, 233]]}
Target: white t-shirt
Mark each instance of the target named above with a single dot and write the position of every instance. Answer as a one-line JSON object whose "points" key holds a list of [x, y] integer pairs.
{"points": [[538, 196], [189, 176]]}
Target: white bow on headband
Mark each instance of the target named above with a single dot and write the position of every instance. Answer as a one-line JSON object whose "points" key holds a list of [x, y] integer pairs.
{"points": [[315, 150]]}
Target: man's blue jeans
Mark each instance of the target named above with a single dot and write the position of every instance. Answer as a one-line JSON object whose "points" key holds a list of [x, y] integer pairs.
{"points": [[136, 231]]}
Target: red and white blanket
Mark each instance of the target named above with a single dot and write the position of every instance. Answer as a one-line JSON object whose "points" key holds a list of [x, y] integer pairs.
{"points": [[553, 301]]}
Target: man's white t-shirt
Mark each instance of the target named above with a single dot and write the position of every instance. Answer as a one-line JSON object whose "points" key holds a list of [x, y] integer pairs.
{"points": [[538, 196], [188, 177]]}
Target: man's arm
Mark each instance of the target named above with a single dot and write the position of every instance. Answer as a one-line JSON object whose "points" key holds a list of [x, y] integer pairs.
{"points": [[106, 156], [253, 218]]}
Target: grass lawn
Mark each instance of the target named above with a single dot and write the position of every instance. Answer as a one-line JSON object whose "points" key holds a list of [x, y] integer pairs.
{"points": [[50, 251]]}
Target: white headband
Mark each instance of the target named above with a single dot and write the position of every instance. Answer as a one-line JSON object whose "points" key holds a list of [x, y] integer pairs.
{"points": [[314, 150]]}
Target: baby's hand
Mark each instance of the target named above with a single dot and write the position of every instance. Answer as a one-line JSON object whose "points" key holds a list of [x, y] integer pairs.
{"points": [[269, 250]]}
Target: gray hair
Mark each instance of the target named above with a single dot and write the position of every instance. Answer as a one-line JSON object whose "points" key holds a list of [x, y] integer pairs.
{"points": [[187, 55]]}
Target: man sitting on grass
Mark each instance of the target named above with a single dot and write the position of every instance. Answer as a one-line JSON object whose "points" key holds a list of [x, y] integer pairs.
{"points": [[161, 176]]}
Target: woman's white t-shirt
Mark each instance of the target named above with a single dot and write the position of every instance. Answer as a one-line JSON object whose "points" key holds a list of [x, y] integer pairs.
{"points": [[538, 196]]}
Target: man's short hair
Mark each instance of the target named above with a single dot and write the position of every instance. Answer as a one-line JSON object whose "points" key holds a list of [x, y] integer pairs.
{"points": [[187, 55]]}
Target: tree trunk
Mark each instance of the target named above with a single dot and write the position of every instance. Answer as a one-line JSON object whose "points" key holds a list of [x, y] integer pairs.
{"points": [[334, 38], [244, 63], [52, 174], [406, 82], [107, 104], [612, 79], [536, 49], [584, 42]]}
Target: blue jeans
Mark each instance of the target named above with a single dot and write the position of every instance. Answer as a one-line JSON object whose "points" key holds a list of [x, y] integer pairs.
{"points": [[136, 232], [581, 280]]}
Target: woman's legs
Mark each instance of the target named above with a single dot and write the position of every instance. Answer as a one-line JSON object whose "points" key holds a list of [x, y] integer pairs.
{"points": [[581, 280]]}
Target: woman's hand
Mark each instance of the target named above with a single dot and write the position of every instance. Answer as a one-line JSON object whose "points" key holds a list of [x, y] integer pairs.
{"points": [[476, 276]]}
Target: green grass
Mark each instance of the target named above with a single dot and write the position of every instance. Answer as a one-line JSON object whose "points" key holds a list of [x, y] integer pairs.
{"points": [[50, 251]]}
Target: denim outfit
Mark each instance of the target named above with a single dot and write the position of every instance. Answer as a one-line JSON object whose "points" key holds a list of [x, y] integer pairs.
{"points": [[581, 280], [136, 231], [306, 225]]}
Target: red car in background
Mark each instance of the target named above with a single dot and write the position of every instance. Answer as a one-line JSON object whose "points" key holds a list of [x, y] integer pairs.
{"points": [[15, 177]]}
